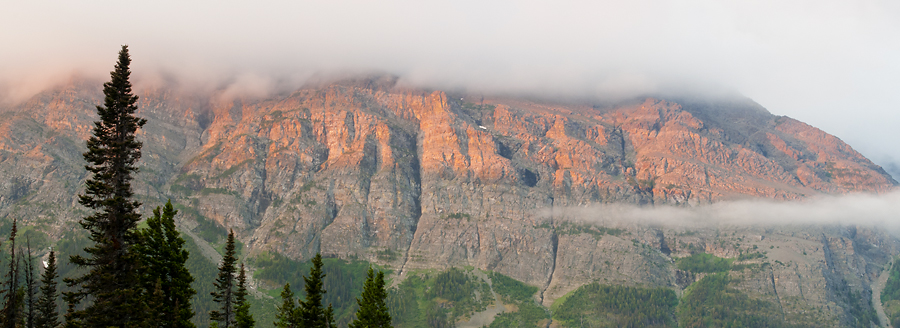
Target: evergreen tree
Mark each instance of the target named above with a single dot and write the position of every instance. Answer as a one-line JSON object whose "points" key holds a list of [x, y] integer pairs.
{"points": [[373, 312], [311, 313], [287, 311], [12, 300], [224, 284], [163, 256], [72, 318], [19, 319], [156, 304], [242, 316], [112, 280], [47, 315]]}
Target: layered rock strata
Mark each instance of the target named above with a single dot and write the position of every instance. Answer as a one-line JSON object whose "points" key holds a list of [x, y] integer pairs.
{"points": [[419, 179]]}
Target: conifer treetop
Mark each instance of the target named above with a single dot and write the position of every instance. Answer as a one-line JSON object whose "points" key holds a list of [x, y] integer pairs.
{"points": [[112, 280], [224, 293], [373, 311], [47, 313]]}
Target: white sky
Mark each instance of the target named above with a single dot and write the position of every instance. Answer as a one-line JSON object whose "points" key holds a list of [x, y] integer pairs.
{"points": [[833, 64]]}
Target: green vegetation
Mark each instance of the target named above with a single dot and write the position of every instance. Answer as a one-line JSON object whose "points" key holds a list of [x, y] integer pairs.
{"points": [[224, 293], [186, 184], [458, 289], [519, 295], [163, 258], [751, 256], [373, 312], [232, 169], [111, 279], [570, 228], [286, 316], [890, 295], [437, 299], [408, 307], [529, 314], [47, 315], [242, 316], [312, 312], [510, 289], [238, 248], [703, 263], [710, 302], [13, 293], [476, 109], [858, 309], [343, 280], [220, 191], [207, 229], [203, 270], [387, 255], [596, 305]]}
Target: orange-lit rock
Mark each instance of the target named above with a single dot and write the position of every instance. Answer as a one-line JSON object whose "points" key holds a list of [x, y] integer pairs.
{"points": [[416, 179]]}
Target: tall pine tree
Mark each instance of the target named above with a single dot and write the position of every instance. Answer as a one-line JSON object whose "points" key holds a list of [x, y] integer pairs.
{"points": [[12, 309], [311, 312], [224, 284], [242, 316], [286, 317], [112, 280], [373, 312], [163, 257], [47, 314]]}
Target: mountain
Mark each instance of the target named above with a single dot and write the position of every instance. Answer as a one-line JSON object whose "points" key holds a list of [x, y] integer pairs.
{"points": [[419, 179]]}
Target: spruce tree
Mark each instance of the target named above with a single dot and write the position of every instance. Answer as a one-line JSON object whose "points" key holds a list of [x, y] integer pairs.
{"points": [[311, 313], [156, 306], [373, 312], [163, 257], [287, 311], [12, 300], [72, 318], [224, 284], [112, 280], [242, 316], [47, 314]]}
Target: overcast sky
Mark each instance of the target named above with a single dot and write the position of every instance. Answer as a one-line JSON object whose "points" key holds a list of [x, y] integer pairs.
{"points": [[833, 64]]}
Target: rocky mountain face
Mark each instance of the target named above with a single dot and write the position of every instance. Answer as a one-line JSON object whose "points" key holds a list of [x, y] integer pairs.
{"points": [[417, 179]]}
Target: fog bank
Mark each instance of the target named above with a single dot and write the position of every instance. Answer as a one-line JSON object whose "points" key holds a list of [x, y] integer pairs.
{"points": [[876, 210]]}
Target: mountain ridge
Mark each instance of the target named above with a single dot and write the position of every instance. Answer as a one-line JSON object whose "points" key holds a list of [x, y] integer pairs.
{"points": [[423, 179]]}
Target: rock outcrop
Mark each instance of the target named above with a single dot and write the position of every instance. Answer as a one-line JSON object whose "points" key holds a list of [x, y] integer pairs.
{"points": [[419, 179]]}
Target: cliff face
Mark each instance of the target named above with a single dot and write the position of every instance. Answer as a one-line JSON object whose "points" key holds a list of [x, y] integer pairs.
{"points": [[423, 179]]}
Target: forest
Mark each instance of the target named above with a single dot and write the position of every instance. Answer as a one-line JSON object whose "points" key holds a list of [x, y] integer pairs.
{"points": [[711, 302], [596, 305], [890, 295]]}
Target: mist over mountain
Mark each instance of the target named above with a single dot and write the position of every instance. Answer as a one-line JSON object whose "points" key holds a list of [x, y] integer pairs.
{"points": [[557, 194], [725, 163], [831, 64]]}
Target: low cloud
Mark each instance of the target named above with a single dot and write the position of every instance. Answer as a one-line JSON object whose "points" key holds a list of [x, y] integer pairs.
{"points": [[830, 63], [878, 210]]}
